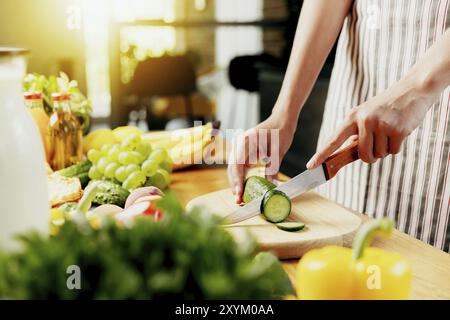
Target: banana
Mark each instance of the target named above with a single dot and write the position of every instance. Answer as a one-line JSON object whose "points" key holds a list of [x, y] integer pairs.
{"points": [[185, 146], [186, 155], [183, 137], [164, 136]]}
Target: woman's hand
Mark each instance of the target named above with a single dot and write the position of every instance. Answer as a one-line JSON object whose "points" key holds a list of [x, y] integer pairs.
{"points": [[380, 124], [308, 55], [265, 144], [383, 122]]}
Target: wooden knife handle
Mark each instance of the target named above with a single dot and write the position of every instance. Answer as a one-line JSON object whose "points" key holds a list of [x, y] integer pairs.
{"points": [[335, 162]]}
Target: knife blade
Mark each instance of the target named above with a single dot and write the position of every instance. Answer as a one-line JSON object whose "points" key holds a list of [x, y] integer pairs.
{"points": [[301, 183]]}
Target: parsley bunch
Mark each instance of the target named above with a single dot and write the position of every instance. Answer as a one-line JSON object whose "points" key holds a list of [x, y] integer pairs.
{"points": [[186, 255]]}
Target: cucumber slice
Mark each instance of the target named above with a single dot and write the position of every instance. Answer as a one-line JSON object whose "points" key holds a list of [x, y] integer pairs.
{"points": [[290, 226], [276, 206]]}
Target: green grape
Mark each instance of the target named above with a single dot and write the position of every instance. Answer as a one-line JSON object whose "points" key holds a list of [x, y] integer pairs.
{"points": [[126, 158], [125, 148], [138, 156], [127, 184], [94, 174], [110, 170], [167, 165], [132, 168], [144, 149], [161, 179], [113, 154], [137, 178], [94, 155], [101, 164], [158, 155], [149, 167], [132, 141], [165, 175], [105, 148], [121, 174]]}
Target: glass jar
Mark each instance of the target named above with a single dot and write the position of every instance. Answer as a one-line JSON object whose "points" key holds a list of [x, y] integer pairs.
{"points": [[65, 134]]}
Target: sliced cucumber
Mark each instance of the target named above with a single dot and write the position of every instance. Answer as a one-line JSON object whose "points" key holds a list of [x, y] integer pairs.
{"points": [[276, 206], [290, 226]]}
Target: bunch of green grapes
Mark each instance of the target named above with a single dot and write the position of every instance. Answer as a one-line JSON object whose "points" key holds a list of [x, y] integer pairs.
{"points": [[132, 163]]}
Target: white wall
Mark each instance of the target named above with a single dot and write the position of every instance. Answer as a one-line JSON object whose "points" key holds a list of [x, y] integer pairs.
{"points": [[237, 109]]}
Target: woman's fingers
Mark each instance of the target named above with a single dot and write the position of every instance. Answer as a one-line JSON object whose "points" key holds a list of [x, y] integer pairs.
{"points": [[270, 173], [366, 142], [395, 143], [347, 130], [236, 176], [236, 166], [380, 145]]}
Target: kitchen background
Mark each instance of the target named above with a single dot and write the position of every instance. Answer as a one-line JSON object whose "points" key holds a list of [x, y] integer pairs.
{"points": [[161, 63]]}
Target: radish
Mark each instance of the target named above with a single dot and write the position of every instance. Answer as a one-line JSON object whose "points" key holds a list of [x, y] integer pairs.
{"points": [[107, 209], [132, 212], [148, 198], [142, 192]]}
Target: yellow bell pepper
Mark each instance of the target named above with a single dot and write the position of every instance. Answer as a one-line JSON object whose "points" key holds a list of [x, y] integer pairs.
{"points": [[336, 273]]}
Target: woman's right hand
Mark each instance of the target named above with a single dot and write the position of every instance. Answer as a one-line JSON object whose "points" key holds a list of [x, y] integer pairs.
{"points": [[265, 144]]}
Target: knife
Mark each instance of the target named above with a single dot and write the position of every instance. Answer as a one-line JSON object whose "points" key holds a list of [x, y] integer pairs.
{"points": [[301, 183]]}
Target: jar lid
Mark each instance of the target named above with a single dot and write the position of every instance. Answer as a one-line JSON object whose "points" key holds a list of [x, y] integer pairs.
{"points": [[8, 51], [32, 95], [61, 96]]}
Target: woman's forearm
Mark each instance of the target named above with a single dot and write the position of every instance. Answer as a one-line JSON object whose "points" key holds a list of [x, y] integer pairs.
{"points": [[318, 28], [383, 122], [431, 74]]}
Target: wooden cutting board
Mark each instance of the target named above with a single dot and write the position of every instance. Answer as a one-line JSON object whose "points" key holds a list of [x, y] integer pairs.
{"points": [[326, 223]]}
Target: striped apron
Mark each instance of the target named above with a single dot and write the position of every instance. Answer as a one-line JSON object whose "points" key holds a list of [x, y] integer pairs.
{"points": [[380, 41]]}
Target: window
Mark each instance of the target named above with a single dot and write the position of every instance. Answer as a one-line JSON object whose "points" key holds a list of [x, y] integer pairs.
{"points": [[137, 42]]}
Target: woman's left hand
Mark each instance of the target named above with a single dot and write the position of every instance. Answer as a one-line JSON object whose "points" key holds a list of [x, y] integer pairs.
{"points": [[380, 124]]}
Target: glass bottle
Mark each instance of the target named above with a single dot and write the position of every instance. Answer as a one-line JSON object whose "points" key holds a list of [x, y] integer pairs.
{"points": [[35, 107], [24, 203], [65, 134]]}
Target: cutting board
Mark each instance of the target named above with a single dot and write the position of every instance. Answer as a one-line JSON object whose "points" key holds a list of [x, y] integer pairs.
{"points": [[327, 223]]}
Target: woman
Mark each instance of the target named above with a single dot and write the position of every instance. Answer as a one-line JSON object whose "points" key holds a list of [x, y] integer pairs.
{"points": [[390, 90]]}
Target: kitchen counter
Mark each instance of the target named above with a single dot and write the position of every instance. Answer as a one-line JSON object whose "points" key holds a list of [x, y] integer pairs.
{"points": [[431, 267]]}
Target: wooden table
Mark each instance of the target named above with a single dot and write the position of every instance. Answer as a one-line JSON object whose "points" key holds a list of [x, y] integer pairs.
{"points": [[431, 267]]}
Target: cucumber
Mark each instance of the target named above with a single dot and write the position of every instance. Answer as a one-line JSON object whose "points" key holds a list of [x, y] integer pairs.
{"points": [[275, 205], [290, 226], [75, 169], [110, 193], [255, 187], [79, 170]]}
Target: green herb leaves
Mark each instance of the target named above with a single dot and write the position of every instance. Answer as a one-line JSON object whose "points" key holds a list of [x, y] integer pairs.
{"points": [[186, 255]]}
